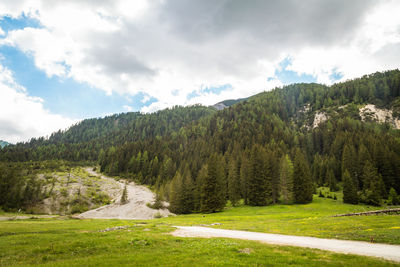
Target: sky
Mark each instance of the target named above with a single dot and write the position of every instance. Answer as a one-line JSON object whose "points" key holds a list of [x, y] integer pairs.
{"points": [[64, 61]]}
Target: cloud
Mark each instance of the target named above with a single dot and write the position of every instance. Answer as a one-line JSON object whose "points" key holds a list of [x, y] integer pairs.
{"points": [[168, 49], [22, 116], [127, 108], [374, 47]]}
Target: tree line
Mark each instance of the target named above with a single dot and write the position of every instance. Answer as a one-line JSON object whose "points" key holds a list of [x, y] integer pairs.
{"points": [[262, 150]]}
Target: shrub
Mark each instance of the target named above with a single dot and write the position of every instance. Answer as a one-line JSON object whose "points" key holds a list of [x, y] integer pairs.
{"points": [[158, 204], [157, 215], [393, 198]]}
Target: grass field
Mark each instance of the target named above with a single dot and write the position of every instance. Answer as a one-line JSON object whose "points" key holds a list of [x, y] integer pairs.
{"points": [[314, 219], [70, 242], [58, 242]]}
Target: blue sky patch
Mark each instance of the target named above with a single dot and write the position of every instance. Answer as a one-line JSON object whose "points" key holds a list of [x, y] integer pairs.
{"points": [[10, 24], [212, 89], [66, 96], [289, 76], [335, 76]]}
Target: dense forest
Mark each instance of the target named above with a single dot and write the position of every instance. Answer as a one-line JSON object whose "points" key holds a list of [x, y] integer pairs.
{"points": [[262, 150]]}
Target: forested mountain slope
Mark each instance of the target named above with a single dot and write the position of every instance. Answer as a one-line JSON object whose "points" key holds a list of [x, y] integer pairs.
{"points": [[264, 150]]}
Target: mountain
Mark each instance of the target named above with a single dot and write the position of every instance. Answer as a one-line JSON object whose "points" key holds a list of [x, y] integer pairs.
{"points": [[3, 143], [227, 103], [312, 134]]}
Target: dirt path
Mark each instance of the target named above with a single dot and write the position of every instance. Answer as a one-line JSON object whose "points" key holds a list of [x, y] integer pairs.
{"points": [[25, 217], [136, 208], [389, 252]]}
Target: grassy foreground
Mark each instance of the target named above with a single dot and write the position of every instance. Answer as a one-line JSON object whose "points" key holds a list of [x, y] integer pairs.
{"points": [[314, 219], [69, 242], [58, 242]]}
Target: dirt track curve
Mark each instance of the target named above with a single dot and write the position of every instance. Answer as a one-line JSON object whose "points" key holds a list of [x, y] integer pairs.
{"points": [[389, 252]]}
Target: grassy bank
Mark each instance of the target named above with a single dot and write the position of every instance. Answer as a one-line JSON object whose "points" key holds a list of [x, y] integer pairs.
{"points": [[58, 242], [68, 242], [314, 219]]}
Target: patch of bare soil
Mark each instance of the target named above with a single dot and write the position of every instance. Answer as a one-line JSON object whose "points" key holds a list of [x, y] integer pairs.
{"points": [[135, 208]]}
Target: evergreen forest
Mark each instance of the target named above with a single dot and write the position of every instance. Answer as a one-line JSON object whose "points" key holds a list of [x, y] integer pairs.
{"points": [[262, 150]]}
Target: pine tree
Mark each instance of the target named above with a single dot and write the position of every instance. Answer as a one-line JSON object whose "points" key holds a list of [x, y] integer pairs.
{"points": [[286, 179], [187, 194], [212, 191], [303, 186], [330, 177], [244, 178], [349, 160], [260, 187], [274, 170], [233, 183], [349, 189], [363, 156], [393, 198], [124, 197], [372, 185], [175, 194]]}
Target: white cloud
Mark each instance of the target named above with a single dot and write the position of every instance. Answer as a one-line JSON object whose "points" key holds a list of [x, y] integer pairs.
{"points": [[127, 108], [168, 49], [374, 47], [22, 116], [2, 33]]}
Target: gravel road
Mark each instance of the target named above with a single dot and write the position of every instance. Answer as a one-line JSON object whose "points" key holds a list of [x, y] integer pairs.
{"points": [[389, 252]]}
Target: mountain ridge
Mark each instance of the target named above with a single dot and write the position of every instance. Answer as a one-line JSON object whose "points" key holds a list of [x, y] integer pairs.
{"points": [[188, 147]]}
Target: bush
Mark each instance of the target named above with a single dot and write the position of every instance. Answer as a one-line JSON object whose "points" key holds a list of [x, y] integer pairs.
{"points": [[78, 208], [368, 197], [157, 215], [158, 204], [393, 198]]}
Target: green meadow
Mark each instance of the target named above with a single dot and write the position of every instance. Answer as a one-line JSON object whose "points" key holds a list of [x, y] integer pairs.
{"points": [[314, 219], [64, 241]]}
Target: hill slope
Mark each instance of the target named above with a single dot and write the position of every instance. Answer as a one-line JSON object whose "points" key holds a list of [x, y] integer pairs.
{"points": [[244, 151]]}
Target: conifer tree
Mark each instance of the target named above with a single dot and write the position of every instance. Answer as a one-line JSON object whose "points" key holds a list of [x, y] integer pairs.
{"points": [[286, 179], [245, 173], [233, 182], [124, 197], [349, 160], [274, 161], [393, 198], [213, 189], [175, 194], [330, 177], [349, 189], [372, 185], [187, 194], [363, 156], [260, 187], [302, 182]]}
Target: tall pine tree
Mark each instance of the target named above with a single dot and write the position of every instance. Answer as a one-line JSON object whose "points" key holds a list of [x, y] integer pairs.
{"points": [[260, 187], [286, 179], [349, 189], [233, 182], [213, 189], [303, 186]]}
